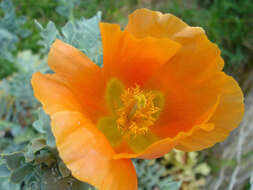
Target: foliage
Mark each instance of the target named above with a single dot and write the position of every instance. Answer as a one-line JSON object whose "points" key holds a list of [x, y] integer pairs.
{"points": [[42, 125], [16, 95], [17, 107], [151, 175], [43, 11], [65, 8], [10, 32], [36, 167], [83, 34], [29, 160], [227, 23], [6, 68], [114, 9], [187, 168], [46, 10]]}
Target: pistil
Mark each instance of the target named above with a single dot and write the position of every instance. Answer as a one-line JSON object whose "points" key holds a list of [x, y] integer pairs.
{"points": [[137, 113]]}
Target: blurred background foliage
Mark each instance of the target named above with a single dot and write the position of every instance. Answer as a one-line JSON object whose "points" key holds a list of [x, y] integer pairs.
{"points": [[29, 160], [228, 23]]}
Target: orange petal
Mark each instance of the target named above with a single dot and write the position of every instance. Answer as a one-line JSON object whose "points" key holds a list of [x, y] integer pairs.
{"points": [[198, 60], [144, 22], [53, 93], [82, 76], [130, 59], [163, 146], [192, 82], [191, 99], [88, 154], [172, 128], [227, 116]]}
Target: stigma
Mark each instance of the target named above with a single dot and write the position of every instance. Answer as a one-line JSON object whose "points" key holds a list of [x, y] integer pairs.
{"points": [[138, 111]]}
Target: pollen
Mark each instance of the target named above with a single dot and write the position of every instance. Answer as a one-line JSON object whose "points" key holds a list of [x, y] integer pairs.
{"points": [[138, 111]]}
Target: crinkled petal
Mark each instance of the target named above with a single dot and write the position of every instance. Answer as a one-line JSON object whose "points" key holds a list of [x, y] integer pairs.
{"points": [[130, 59], [82, 76], [165, 143], [199, 111], [54, 95], [163, 146], [144, 22], [213, 126], [227, 116], [172, 127], [88, 154], [197, 61]]}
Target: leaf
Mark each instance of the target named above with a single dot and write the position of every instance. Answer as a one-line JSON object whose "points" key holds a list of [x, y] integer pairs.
{"points": [[53, 182], [13, 160], [203, 169], [42, 125], [65, 172], [5, 124], [48, 34], [5, 184], [44, 157], [30, 63], [38, 125], [8, 44], [29, 155], [19, 174], [38, 152], [4, 171], [83, 34], [25, 135], [10, 30], [172, 186], [78, 185], [65, 7], [151, 174], [16, 99], [38, 144], [7, 146]]}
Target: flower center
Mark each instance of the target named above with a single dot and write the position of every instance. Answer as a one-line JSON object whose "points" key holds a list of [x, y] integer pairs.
{"points": [[138, 111]]}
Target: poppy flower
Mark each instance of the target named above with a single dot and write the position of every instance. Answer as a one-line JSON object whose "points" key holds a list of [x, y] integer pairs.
{"points": [[161, 87]]}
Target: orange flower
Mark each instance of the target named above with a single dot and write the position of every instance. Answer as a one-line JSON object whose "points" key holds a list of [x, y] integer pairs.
{"points": [[161, 87]]}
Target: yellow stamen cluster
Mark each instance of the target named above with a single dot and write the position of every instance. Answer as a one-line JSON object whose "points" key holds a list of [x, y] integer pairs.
{"points": [[137, 113]]}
